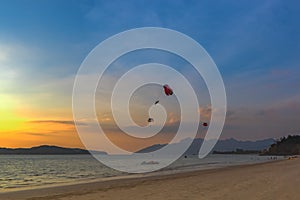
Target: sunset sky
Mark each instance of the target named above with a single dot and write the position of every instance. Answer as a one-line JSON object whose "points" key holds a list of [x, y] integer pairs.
{"points": [[255, 45]]}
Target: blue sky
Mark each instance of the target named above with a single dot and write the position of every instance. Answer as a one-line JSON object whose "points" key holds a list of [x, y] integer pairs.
{"points": [[255, 44]]}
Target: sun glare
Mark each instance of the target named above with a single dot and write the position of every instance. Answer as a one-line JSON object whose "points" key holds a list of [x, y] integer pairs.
{"points": [[9, 118]]}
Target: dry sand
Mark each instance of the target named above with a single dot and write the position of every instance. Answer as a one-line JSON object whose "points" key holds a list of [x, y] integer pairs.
{"points": [[274, 180]]}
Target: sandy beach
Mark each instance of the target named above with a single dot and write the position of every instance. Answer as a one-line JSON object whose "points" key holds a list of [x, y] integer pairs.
{"points": [[273, 180]]}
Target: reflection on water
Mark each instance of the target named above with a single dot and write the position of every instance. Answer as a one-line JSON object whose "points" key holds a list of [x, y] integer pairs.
{"points": [[18, 171], [34, 170]]}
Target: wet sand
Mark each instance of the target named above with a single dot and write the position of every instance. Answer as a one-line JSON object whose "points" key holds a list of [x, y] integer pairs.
{"points": [[273, 180]]}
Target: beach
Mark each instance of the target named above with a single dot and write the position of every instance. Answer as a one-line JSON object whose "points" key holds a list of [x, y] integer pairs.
{"points": [[272, 180]]}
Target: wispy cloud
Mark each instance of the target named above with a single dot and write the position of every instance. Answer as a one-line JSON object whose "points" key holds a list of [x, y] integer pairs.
{"points": [[66, 122], [272, 121]]}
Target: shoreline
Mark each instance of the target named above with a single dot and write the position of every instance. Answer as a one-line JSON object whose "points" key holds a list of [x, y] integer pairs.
{"points": [[114, 184], [165, 171], [162, 172]]}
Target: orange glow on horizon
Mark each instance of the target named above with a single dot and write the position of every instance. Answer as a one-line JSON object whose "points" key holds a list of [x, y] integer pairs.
{"points": [[21, 126], [41, 133]]}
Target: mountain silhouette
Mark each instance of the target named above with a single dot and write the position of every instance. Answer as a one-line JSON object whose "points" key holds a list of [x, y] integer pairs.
{"points": [[222, 145], [46, 150]]}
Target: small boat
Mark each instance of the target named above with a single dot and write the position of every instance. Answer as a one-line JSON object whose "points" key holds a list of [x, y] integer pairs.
{"points": [[152, 162]]}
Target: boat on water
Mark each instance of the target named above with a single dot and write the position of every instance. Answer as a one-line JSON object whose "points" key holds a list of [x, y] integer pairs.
{"points": [[151, 162]]}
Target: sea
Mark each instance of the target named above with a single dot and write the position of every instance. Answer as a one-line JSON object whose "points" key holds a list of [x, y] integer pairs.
{"points": [[29, 171]]}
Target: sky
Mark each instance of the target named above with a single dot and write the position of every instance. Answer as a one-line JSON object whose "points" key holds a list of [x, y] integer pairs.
{"points": [[255, 45]]}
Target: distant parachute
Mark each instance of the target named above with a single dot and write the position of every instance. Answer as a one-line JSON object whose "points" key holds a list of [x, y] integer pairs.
{"points": [[150, 120], [204, 124]]}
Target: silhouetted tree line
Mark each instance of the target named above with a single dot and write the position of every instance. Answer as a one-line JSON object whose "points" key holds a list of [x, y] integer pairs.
{"points": [[238, 151], [289, 145]]}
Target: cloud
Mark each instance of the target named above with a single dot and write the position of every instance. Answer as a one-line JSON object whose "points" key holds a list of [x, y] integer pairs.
{"points": [[36, 134], [273, 121], [173, 118], [66, 122], [49, 133], [205, 111], [289, 109]]}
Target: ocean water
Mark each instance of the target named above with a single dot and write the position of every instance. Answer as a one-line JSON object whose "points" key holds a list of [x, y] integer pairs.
{"points": [[21, 171]]}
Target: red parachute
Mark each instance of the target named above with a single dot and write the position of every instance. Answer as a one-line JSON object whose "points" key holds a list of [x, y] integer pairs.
{"points": [[168, 90], [204, 124]]}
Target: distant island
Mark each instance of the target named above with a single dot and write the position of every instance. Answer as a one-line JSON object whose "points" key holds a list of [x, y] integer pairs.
{"points": [[285, 146], [46, 150], [289, 145], [226, 146]]}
